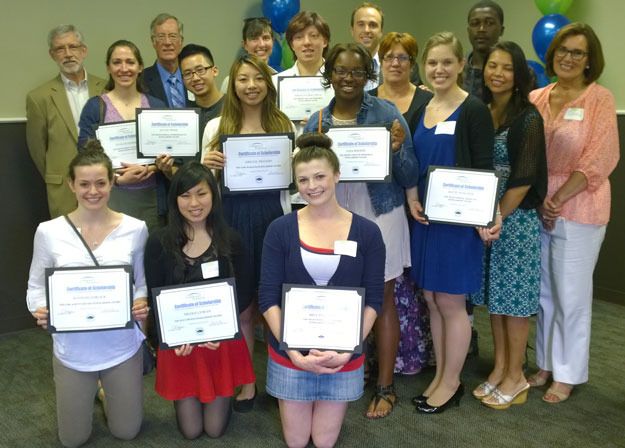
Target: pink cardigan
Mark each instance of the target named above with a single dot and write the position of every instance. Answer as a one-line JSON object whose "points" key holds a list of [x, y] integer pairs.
{"points": [[589, 145]]}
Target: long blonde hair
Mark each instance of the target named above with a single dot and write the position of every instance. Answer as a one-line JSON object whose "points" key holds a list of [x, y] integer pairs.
{"points": [[272, 119]]}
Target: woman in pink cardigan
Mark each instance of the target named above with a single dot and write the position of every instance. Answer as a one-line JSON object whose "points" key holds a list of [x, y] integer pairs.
{"points": [[582, 150]]}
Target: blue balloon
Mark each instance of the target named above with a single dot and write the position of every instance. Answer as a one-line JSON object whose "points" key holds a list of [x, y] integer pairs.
{"points": [[539, 72], [275, 60], [544, 32], [280, 12]]}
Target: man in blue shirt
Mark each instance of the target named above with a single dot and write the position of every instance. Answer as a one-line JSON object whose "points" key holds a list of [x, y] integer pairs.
{"points": [[163, 79]]}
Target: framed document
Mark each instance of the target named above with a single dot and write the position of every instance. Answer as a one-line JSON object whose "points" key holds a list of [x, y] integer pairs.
{"points": [[168, 131], [119, 141], [364, 152], [89, 298], [324, 318], [461, 196], [300, 96], [196, 312], [257, 162]]}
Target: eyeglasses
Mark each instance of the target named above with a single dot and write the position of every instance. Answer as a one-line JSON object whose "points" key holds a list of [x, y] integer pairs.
{"points": [[74, 48], [172, 37], [356, 73], [400, 58], [200, 71], [576, 55]]}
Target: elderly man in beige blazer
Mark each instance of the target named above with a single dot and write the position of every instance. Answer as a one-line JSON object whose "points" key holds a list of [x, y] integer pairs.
{"points": [[53, 111]]}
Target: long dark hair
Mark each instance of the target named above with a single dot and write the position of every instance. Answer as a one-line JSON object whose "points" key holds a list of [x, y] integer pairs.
{"points": [[177, 230], [519, 101]]}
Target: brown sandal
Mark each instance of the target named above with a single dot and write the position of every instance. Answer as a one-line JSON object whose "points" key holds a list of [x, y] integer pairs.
{"points": [[386, 393]]}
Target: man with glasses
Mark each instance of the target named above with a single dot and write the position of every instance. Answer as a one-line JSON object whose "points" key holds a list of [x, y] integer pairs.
{"points": [[485, 27], [53, 111], [163, 79], [198, 73]]}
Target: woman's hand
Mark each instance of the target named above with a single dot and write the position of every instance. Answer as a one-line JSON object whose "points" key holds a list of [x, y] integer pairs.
{"points": [[210, 345], [132, 174], [489, 234], [550, 209], [317, 361], [183, 350], [41, 315], [140, 309], [214, 160], [165, 164], [398, 135], [416, 210]]}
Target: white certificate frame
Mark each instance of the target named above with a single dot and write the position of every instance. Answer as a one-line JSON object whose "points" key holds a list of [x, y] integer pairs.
{"points": [[175, 132], [461, 196], [300, 96], [242, 173], [89, 298], [119, 141], [178, 312], [364, 152], [313, 318]]}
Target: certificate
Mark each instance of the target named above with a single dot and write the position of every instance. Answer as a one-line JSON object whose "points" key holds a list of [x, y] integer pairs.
{"points": [[364, 152], [196, 312], [119, 141], [300, 96], [257, 162], [89, 298], [175, 132], [323, 318], [461, 196]]}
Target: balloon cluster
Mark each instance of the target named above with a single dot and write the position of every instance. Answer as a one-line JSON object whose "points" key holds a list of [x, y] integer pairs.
{"points": [[544, 31], [280, 12]]}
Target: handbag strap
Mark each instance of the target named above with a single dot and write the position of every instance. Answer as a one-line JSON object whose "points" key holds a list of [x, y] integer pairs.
{"points": [[319, 125], [69, 221]]}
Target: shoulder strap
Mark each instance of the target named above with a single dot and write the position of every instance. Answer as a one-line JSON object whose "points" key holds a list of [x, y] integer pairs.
{"points": [[69, 221], [319, 124], [102, 109]]}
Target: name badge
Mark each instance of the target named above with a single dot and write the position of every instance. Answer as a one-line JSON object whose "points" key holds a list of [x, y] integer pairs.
{"points": [[210, 269], [345, 247], [574, 113], [445, 128]]}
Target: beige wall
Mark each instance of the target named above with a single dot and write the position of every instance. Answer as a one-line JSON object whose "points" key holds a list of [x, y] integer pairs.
{"points": [[217, 24]]}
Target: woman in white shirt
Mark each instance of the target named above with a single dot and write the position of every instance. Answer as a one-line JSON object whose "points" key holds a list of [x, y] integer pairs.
{"points": [[81, 359]]}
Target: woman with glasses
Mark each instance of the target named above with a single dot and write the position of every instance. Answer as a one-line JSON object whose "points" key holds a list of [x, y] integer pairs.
{"points": [[347, 69], [250, 108], [398, 53], [582, 151], [139, 190]]}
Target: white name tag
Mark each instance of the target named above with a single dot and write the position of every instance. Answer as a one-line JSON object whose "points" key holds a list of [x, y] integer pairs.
{"points": [[210, 269], [345, 247], [446, 128], [574, 113]]}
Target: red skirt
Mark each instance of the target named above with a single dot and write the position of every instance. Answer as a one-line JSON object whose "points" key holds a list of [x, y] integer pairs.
{"points": [[204, 374]]}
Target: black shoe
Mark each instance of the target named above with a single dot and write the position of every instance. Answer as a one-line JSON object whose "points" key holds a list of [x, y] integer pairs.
{"points": [[419, 399], [474, 348], [426, 408], [246, 405]]}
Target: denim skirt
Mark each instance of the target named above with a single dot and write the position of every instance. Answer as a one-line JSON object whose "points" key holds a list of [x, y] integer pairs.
{"points": [[285, 383]]}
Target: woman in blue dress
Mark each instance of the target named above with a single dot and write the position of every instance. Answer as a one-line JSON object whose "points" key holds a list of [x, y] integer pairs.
{"points": [[511, 285], [452, 129]]}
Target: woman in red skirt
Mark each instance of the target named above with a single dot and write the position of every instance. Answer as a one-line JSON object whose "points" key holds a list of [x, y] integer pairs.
{"points": [[199, 379]]}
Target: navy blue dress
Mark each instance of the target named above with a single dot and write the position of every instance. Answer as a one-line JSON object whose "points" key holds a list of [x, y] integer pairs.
{"points": [[445, 258]]}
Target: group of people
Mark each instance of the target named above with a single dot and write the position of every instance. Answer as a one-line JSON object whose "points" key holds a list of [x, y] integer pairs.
{"points": [[553, 149]]}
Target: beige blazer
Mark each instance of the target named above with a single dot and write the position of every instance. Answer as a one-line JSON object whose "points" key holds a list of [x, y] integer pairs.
{"points": [[52, 137]]}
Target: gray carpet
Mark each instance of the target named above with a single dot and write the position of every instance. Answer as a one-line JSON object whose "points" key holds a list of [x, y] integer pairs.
{"points": [[594, 416]]}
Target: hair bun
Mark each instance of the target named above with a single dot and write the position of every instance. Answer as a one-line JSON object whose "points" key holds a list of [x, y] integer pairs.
{"points": [[314, 139], [93, 144]]}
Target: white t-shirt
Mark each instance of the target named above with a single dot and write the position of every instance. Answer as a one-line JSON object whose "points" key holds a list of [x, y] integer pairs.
{"points": [[56, 245]]}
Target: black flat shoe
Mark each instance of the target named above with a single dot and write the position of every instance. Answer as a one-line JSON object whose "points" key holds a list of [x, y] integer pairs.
{"points": [[419, 399], [246, 405], [426, 408]]}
